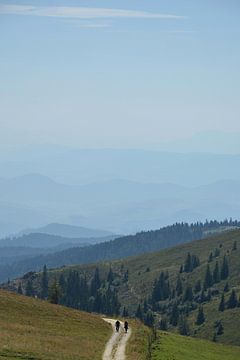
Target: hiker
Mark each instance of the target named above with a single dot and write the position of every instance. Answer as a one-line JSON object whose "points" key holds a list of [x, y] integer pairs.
{"points": [[117, 325], [126, 326]]}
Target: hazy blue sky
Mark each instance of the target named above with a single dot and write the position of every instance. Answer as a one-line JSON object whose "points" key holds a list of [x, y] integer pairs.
{"points": [[118, 73]]}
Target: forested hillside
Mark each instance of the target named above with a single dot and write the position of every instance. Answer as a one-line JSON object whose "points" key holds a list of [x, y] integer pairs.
{"points": [[192, 289], [143, 242]]}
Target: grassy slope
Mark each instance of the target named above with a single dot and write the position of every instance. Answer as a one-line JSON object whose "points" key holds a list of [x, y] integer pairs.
{"points": [[138, 345], [175, 347], [36, 330]]}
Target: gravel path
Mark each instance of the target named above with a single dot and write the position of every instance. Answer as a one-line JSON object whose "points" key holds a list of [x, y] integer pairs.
{"points": [[115, 347]]}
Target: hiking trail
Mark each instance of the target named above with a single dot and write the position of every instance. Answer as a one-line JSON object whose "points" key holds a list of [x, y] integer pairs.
{"points": [[116, 346]]}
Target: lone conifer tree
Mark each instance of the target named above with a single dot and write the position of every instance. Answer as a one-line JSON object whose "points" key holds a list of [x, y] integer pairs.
{"points": [[200, 317], [174, 315], [183, 326], [222, 303], [44, 283], [54, 293], [139, 313], [19, 290], [179, 287], [216, 274], [233, 301], [29, 288], [208, 280], [224, 269]]}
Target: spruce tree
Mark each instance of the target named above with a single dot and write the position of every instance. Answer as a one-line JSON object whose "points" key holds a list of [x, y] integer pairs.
{"points": [[44, 283], [226, 287], [125, 312], [179, 287], [139, 313], [149, 319], [163, 324], [233, 301], [197, 287], [222, 303], [200, 317], [224, 269], [54, 293], [174, 315], [216, 274], [220, 328], [29, 289], [234, 246], [95, 283], [188, 294], [183, 326], [19, 289], [210, 258], [188, 263], [110, 276], [208, 280]]}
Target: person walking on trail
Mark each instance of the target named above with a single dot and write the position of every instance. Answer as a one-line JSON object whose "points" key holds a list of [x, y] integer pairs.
{"points": [[126, 326], [117, 325]]}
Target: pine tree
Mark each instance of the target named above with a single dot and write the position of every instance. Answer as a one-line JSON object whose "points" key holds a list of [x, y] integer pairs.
{"points": [[234, 246], [110, 276], [220, 328], [188, 263], [139, 313], [222, 303], [149, 319], [183, 326], [210, 258], [163, 324], [179, 287], [44, 283], [226, 287], [29, 289], [202, 297], [54, 293], [19, 289], [233, 301], [188, 294], [224, 269], [126, 276], [200, 317], [96, 283], [208, 280], [174, 315], [125, 312], [216, 274], [197, 287]]}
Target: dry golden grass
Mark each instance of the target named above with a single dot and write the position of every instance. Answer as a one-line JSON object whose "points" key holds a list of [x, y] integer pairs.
{"points": [[32, 329]]}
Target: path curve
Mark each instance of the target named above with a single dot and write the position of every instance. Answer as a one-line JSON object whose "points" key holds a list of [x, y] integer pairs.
{"points": [[116, 346]]}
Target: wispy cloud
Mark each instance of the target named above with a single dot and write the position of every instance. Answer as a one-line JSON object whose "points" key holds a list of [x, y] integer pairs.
{"points": [[82, 12]]}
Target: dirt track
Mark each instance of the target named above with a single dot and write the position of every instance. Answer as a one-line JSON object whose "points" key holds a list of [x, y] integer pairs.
{"points": [[115, 347]]}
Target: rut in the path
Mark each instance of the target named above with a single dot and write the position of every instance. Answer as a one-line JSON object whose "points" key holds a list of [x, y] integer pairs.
{"points": [[116, 346]]}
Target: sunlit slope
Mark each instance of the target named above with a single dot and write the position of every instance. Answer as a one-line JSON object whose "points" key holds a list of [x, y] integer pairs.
{"points": [[36, 330], [175, 347]]}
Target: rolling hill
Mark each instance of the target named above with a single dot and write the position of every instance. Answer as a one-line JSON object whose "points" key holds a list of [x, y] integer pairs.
{"points": [[34, 329]]}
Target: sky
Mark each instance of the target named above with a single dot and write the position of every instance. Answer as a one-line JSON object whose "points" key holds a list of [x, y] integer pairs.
{"points": [[117, 73]]}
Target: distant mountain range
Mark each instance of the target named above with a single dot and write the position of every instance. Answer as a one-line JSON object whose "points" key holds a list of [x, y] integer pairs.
{"points": [[120, 205], [69, 231]]}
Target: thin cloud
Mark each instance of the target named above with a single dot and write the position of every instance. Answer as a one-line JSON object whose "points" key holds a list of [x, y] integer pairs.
{"points": [[81, 12]]}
